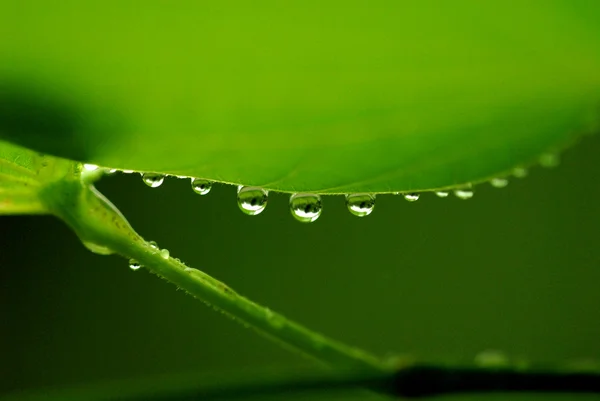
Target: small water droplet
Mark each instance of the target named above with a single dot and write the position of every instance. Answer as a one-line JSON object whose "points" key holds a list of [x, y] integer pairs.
{"points": [[499, 182], [360, 204], [164, 253], [252, 200], [492, 359], [412, 197], [520, 172], [90, 167], [306, 208], [442, 194], [127, 171], [110, 171], [465, 192], [153, 244], [134, 264], [549, 160], [153, 180], [201, 186]]}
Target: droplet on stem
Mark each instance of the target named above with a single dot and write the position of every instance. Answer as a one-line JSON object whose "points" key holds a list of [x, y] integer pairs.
{"points": [[153, 180], [90, 167], [465, 192], [306, 208], [520, 172], [134, 264], [360, 204], [412, 197], [499, 182], [442, 194], [252, 200], [201, 186]]}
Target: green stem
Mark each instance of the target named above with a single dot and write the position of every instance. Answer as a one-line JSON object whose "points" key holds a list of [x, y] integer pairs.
{"points": [[100, 226]]}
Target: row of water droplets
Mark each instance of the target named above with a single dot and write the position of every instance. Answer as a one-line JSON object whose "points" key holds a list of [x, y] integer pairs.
{"points": [[164, 253], [306, 207]]}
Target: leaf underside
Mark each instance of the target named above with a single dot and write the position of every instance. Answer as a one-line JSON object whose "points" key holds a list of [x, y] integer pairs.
{"points": [[303, 97]]}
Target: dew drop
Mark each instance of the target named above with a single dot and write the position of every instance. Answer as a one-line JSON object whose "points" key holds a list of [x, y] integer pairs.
{"points": [[127, 171], [442, 194], [153, 180], [201, 186], [164, 253], [412, 197], [499, 182], [360, 204], [520, 172], [466, 192], [306, 208], [134, 264], [153, 244], [110, 171], [252, 200], [90, 167], [549, 160]]}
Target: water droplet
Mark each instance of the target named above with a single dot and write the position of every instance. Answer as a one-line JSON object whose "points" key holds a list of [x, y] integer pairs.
{"points": [[201, 186], [90, 167], [153, 180], [127, 171], [520, 172], [465, 192], [134, 264], [492, 359], [97, 249], [442, 194], [360, 204], [164, 253], [499, 182], [412, 197], [549, 160], [306, 208], [153, 244], [110, 171], [252, 200]]}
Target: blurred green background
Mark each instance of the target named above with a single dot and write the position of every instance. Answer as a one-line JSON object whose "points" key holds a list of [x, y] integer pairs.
{"points": [[514, 269]]}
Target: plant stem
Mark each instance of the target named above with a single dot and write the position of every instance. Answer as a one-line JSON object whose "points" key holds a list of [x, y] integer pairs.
{"points": [[98, 223]]}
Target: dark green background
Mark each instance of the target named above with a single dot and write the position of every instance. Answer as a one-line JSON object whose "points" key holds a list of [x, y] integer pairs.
{"points": [[514, 269]]}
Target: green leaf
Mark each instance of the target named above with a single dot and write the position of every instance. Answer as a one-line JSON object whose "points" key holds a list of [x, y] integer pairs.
{"points": [[337, 97], [23, 176]]}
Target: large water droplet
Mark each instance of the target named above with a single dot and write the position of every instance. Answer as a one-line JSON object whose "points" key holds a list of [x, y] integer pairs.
{"points": [[520, 172], [153, 180], [252, 200], [360, 204], [549, 160], [499, 182], [201, 186], [442, 194], [97, 249], [164, 253], [306, 207], [412, 197], [465, 192], [134, 264], [90, 167]]}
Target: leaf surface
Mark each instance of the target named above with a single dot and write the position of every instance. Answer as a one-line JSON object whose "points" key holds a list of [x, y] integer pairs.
{"points": [[331, 97]]}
